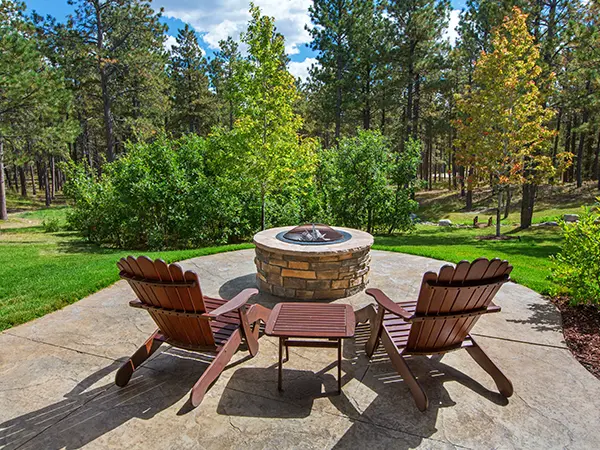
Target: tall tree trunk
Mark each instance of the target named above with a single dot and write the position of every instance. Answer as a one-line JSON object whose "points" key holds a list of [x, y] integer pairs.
{"points": [[40, 175], [579, 174], [32, 179], [3, 212], [106, 100], [582, 137], [469, 200], [589, 170], [508, 200], [557, 137], [409, 103], [498, 212], [53, 172], [23, 181], [15, 174], [527, 205], [108, 123], [367, 95], [7, 178], [528, 194], [416, 107], [47, 186], [573, 142]]}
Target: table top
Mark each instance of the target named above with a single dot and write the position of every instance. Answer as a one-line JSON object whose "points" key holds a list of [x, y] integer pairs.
{"points": [[317, 320]]}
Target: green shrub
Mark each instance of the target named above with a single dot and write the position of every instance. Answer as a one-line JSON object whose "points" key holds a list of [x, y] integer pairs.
{"points": [[577, 267], [196, 191], [174, 194], [156, 196], [366, 185], [51, 225]]}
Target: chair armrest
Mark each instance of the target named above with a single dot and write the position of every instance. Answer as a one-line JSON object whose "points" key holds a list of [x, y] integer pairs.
{"points": [[493, 308], [234, 304], [385, 302]]}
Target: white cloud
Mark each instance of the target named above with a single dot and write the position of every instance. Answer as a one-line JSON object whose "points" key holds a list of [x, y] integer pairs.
{"points": [[169, 42], [451, 33], [300, 68], [218, 20]]}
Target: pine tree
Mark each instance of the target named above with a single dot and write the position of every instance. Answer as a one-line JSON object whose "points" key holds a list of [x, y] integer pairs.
{"points": [[331, 33], [223, 68], [418, 27], [33, 99], [193, 102], [119, 44]]}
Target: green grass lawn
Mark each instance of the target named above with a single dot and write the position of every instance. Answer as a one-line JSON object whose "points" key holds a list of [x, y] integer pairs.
{"points": [[553, 202], [529, 255], [41, 272]]}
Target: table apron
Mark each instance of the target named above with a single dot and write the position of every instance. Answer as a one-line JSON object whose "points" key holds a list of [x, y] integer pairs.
{"points": [[319, 344]]}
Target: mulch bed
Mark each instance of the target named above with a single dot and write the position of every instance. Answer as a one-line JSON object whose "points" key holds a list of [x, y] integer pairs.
{"points": [[581, 327]]}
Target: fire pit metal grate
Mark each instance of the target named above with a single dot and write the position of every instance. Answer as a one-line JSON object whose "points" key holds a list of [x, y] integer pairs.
{"points": [[313, 234]]}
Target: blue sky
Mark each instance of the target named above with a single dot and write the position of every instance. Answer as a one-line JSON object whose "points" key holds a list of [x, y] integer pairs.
{"points": [[216, 20]]}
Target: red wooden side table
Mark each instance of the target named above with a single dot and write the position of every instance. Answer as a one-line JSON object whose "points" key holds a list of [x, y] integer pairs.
{"points": [[321, 325]]}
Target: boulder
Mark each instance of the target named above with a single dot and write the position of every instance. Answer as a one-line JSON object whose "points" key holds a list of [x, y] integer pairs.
{"points": [[571, 217], [549, 224], [445, 223]]}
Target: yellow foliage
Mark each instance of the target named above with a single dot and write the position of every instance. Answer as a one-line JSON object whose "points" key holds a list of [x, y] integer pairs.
{"points": [[502, 129]]}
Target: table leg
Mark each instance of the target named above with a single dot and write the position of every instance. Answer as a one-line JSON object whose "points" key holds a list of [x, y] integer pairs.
{"points": [[279, 381], [287, 353], [339, 366]]}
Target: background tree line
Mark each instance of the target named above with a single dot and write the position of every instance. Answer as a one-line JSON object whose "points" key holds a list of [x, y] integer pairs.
{"points": [[386, 66], [89, 88]]}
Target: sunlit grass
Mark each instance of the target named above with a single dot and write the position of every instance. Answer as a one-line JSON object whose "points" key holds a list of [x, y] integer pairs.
{"points": [[42, 272], [529, 254]]}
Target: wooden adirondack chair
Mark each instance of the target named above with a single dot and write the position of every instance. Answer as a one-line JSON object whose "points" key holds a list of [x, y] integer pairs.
{"points": [[448, 306], [187, 319]]}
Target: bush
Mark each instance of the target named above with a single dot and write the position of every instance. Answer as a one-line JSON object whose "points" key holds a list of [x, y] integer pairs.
{"points": [[577, 267], [174, 194], [366, 185], [196, 191], [156, 196], [51, 225]]}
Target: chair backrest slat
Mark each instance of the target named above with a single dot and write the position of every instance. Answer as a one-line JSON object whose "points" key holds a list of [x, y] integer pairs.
{"points": [[166, 286], [466, 288]]}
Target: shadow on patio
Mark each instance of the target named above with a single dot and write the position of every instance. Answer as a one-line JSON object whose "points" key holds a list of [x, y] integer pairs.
{"points": [[89, 411], [388, 407]]}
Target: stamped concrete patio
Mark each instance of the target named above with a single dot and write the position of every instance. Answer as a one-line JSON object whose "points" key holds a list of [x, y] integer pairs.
{"points": [[57, 391]]}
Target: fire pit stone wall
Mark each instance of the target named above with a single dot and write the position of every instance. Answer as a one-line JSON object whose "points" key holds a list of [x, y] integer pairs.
{"points": [[312, 271]]}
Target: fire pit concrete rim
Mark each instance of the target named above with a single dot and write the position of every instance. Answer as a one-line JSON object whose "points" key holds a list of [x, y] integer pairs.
{"points": [[267, 240]]}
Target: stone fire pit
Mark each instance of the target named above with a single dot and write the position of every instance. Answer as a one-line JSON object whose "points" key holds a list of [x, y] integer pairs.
{"points": [[312, 270]]}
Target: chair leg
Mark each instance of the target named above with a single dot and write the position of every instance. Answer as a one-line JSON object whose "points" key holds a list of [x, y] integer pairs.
{"points": [[365, 314], [399, 363], [250, 321], [215, 368], [376, 324], [142, 354], [502, 382]]}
